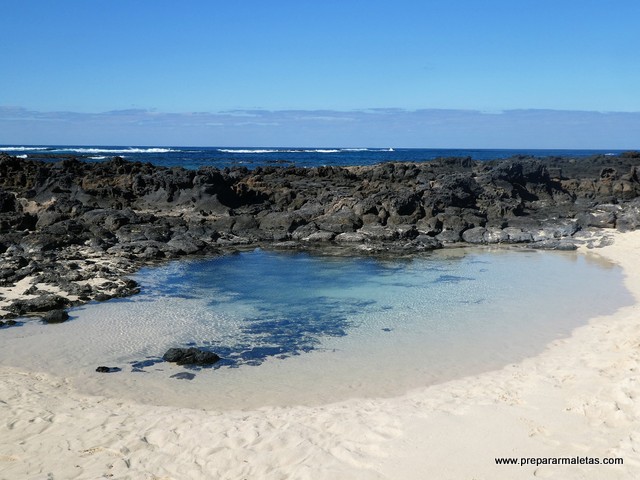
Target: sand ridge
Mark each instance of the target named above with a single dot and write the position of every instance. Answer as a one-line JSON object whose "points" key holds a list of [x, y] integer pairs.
{"points": [[575, 399]]}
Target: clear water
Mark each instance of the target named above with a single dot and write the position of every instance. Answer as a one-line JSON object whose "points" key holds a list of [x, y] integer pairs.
{"points": [[299, 328]]}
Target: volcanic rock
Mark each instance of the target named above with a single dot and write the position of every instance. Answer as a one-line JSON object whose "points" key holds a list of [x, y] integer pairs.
{"points": [[190, 356], [55, 316], [110, 218]]}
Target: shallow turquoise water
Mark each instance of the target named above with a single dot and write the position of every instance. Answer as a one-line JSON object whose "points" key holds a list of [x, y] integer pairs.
{"points": [[283, 304], [303, 328]]}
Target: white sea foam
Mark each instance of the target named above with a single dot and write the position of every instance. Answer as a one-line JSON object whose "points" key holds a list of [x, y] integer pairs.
{"points": [[99, 157], [89, 149], [228, 150], [290, 150], [22, 149], [118, 150], [22, 156], [367, 150]]}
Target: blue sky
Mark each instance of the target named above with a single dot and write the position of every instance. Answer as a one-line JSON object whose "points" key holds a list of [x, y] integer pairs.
{"points": [[493, 73]]}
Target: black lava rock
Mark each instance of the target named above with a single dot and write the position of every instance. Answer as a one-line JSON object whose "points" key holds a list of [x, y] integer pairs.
{"points": [[42, 303], [396, 208], [190, 356], [55, 316], [103, 369]]}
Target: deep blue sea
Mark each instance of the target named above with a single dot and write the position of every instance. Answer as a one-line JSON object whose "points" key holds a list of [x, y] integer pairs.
{"points": [[251, 157]]}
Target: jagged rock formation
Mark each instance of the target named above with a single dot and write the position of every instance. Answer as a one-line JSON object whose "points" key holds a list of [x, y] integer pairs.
{"points": [[81, 226]]}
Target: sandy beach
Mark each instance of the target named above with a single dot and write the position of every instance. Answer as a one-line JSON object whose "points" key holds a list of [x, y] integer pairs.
{"points": [[576, 400]]}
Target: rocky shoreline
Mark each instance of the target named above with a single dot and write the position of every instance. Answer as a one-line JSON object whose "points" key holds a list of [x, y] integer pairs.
{"points": [[71, 231]]}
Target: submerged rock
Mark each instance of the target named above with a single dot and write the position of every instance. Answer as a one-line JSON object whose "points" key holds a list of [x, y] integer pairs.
{"points": [[55, 316], [190, 356], [103, 369]]}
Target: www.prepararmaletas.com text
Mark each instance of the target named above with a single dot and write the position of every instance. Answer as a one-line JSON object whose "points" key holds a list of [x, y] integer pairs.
{"points": [[537, 461]]}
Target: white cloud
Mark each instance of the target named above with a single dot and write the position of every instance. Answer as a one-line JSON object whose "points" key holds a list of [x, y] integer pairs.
{"points": [[380, 127]]}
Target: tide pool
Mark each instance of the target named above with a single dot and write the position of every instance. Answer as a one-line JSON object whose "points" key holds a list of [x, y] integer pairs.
{"points": [[297, 328]]}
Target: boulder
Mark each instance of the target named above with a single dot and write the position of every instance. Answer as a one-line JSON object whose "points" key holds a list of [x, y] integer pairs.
{"points": [[339, 222], [281, 221], [378, 232], [517, 235], [448, 236], [474, 235], [7, 202], [43, 303], [244, 224], [55, 316], [304, 231], [556, 229], [425, 242], [349, 237], [554, 244], [495, 235], [629, 219], [190, 356], [185, 244], [406, 231], [46, 218], [453, 222], [429, 226], [320, 237], [597, 218]]}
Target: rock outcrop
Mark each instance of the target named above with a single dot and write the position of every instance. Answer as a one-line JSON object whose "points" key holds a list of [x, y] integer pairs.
{"points": [[82, 227]]}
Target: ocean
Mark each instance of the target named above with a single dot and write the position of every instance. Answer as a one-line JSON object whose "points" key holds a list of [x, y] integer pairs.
{"points": [[252, 157]]}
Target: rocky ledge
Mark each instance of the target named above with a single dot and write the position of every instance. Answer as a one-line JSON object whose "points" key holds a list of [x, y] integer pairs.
{"points": [[70, 231]]}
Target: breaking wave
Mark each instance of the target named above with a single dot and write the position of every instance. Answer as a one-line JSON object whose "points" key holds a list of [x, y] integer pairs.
{"points": [[88, 150], [293, 150], [23, 149], [117, 150], [229, 150]]}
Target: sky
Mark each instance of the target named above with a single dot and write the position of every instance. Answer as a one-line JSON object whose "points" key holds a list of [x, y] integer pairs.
{"points": [[402, 73]]}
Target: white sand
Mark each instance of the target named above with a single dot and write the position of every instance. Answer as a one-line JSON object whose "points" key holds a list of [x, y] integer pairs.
{"points": [[578, 398], [104, 271]]}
